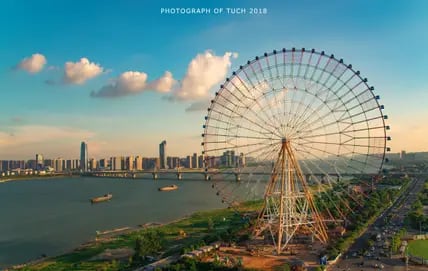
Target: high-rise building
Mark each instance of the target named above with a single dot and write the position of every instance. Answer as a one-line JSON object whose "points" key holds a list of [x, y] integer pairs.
{"points": [[162, 154], [93, 164], [104, 163], [200, 161], [76, 164], [228, 159], [58, 164], [189, 161], [195, 161], [40, 162], [69, 164], [116, 163], [139, 163], [84, 157], [402, 155], [129, 163], [169, 162], [49, 163]]}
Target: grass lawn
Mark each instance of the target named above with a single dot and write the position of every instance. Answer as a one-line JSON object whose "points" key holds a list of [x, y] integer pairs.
{"points": [[419, 248]]}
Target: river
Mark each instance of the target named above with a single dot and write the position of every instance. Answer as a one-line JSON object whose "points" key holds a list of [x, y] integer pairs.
{"points": [[53, 216]]}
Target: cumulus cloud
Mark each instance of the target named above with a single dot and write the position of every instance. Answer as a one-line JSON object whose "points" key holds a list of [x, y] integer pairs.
{"points": [[203, 72], [163, 84], [81, 71], [33, 64], [134, 82]]}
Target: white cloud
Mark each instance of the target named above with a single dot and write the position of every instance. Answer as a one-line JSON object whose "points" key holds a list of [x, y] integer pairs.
{"points": [[134, 82], [81, 71], [33, 64], [204, 72], [163, 84]]}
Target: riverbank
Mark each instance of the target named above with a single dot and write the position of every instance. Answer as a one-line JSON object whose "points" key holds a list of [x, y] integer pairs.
{"points": [[32, 177], [179, 234]]}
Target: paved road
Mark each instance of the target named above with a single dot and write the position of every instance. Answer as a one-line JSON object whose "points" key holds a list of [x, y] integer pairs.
{"points": [[399, 208]]}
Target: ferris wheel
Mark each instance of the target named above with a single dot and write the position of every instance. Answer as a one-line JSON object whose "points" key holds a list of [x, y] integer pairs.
{"points": [[287, 126]]}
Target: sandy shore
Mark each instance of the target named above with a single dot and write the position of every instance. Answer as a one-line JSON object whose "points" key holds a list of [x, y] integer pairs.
{"points": [[31, 178]]}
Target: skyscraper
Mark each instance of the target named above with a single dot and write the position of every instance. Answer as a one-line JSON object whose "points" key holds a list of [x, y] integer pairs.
{"points": [[162, 154], [40, 164], [139, 163], [84, 157]]}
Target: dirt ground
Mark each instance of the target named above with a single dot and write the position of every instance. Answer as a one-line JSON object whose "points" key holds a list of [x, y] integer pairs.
{"points": [[261, 257]]}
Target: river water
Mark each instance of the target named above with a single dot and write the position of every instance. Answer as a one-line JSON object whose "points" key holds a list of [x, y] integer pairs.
{"points": [[53, 216]]}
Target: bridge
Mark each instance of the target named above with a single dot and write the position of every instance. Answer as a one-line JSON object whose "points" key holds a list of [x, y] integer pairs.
{"points": [[202, 173]]}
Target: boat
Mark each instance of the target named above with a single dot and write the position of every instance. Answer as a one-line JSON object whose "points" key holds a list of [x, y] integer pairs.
{"points": [[168, 188], [106, 197]]}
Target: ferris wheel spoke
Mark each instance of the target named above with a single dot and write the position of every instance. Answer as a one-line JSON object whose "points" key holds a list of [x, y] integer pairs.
{"points": [[342, 120], [269, 89], [238, 136], [341, 156], [273, 108], [235, 146], [335, 166], [256, 99], [249, 120], [341, 132], [319, 183], [249, 109]]}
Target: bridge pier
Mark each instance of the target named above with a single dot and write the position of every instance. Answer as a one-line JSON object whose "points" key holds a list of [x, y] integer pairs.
{"points": [[155, 176], [179, 176]]}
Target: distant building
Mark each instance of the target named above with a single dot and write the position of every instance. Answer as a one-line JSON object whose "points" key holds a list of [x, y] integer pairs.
{"points": [[116, 163], [32, 164], [228, 159], [151, 163], [139, 163], [76, 164], [93, 164], [241, 160], [129, 163], [195, 161], [58, 164], [162, 154], [189, 162], [200, 161], [402, 155], [104, 164], [49, 163], [69, 164], [40, 162], [84, 157], [169, 162]]}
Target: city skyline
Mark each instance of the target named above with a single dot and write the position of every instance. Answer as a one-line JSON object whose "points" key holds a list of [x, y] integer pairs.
{"points": [[64, 83]]}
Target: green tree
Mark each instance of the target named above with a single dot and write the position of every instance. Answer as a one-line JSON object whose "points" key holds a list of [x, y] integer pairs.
{"points": [[210, 224], [148, 243]]}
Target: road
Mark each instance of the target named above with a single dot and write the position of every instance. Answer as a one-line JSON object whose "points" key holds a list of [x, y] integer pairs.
{"points": [[352, 261]]}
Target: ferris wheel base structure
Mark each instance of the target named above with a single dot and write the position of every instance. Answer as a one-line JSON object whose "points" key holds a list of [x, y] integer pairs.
{"points": [[286, 207], [301, 118]]}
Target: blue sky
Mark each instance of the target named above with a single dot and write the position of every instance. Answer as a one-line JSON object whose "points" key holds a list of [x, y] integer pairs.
{"points": [[385, 40]]}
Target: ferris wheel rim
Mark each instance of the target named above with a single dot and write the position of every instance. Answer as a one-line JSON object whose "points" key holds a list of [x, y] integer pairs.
{"points": [[313, 52]]}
